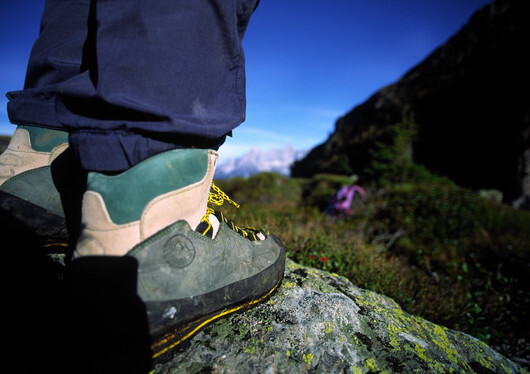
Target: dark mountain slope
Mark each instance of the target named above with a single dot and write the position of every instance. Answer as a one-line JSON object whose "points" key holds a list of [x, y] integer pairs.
{"points": [[470, 99]]}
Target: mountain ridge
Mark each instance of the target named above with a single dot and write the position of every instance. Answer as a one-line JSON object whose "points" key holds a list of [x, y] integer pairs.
{"points": [[258, 160]]}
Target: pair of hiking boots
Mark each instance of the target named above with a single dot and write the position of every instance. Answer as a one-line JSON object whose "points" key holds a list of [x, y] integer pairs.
{"points": [[193, 265]]}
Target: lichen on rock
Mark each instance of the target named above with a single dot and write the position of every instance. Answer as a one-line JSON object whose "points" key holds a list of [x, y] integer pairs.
{"points": [[320, 322]]}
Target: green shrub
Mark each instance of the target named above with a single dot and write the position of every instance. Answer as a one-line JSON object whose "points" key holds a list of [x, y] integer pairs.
{"points": [[392, 159]]}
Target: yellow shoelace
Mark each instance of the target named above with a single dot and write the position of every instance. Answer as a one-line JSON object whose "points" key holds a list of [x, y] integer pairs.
{"points": [[217, 197]]}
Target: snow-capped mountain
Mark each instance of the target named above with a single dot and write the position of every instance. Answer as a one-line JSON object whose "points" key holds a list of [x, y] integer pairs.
{"points": [[258, 160]]}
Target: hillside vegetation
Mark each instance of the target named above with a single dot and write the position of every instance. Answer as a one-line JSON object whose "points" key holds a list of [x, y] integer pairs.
{"points": [[456, 257]]}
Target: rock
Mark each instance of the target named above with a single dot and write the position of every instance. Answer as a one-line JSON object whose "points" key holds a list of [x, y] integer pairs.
{"points": [[320, 322]]}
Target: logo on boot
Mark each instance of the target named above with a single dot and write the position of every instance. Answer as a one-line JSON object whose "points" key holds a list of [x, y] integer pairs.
{"points": [[179, 251]]}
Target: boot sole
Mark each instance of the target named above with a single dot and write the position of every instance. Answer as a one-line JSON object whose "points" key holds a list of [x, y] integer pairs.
{"points": [[176, 340]]}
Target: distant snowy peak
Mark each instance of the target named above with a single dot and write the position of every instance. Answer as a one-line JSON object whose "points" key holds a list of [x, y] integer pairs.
{"points": [[258, 160]]}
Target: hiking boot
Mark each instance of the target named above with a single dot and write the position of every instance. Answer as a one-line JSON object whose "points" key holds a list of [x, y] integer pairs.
{"points": [[29, 200], [194, 265]]}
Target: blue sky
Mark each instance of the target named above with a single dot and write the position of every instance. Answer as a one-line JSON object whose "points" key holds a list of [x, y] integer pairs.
{"points": [[308, 61]]}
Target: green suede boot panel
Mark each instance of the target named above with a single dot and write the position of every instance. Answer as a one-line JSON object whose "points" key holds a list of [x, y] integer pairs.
{"points": [[178, 263], [127, 194], [44, 140], [37, 187]]}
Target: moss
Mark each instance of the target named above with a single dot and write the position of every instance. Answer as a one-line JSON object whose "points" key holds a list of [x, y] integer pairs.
{"points": [[308, 358], [371, 365], [288, 284], [250, 349], [440, 339]]}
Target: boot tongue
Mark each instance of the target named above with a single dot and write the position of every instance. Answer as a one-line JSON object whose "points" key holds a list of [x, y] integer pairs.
{"points": [[209, 226], [214, 221]]}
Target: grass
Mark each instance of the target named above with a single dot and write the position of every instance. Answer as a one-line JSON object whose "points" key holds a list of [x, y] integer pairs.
{"points": [[442, 252]]}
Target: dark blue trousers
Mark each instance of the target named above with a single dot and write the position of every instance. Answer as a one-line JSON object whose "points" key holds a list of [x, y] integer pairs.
{"points": [[131, 78]]}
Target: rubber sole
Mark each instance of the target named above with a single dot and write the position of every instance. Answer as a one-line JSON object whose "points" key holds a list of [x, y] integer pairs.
{"points": [[175, 340]]}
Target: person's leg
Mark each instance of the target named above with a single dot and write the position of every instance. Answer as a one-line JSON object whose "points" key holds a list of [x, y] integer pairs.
{"points": [[166, 85]]}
